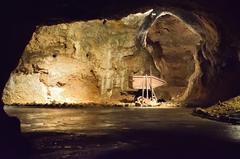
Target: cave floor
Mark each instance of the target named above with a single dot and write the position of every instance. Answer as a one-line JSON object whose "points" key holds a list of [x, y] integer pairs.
{"points": [[124, 133]]}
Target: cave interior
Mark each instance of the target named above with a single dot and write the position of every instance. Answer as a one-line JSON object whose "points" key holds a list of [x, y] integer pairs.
{"points": [[51, 49], [81, 62]]}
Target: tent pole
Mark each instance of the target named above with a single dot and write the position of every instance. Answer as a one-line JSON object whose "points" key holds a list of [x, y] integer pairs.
{"points": [[147, 85], [143, 87], [151, 81]]}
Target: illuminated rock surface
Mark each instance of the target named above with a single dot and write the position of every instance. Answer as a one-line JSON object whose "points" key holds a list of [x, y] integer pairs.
{"points": [[227, 111], [93, 61], [174, 52], [77, 62]]}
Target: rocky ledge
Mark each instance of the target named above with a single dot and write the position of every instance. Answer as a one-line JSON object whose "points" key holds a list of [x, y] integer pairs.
{"points": [[228, 111]]}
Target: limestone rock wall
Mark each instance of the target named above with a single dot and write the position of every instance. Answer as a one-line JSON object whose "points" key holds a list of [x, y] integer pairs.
{"points": [[93, 61], [78, 62], [173, 47], [204, 85]]}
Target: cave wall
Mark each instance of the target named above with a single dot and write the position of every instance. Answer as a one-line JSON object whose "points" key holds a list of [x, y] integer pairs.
{"points": [[78, 62], [173, 45], [204, 85]]}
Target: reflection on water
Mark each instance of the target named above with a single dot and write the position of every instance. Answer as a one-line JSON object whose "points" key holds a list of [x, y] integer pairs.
{"points": [[88, 132], [234, 132], [59, 120], [105, 120]]}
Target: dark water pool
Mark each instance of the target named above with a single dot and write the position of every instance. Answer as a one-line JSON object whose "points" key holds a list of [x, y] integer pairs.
{"points": [[124, 133]]}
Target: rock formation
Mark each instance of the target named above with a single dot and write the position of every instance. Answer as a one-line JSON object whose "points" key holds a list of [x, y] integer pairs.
{"points": [[93, 61], [78, 62]]}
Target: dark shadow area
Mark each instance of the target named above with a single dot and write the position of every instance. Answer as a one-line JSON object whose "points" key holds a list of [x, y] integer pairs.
{"points": [[12, 144], [164, 144], [132, 144]]}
